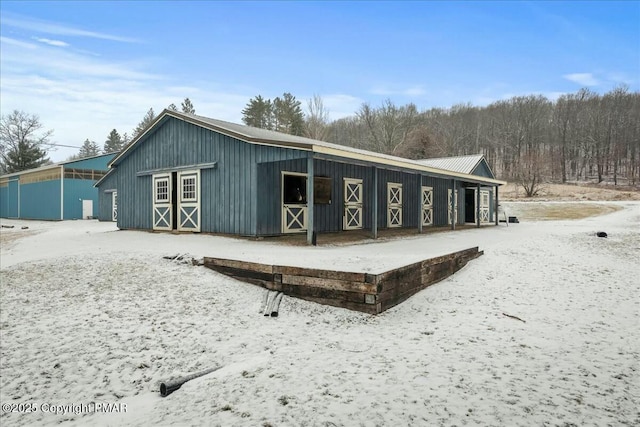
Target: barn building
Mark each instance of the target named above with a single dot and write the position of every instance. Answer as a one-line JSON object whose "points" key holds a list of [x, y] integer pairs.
{"points": [[54, 192], [197, 174]]}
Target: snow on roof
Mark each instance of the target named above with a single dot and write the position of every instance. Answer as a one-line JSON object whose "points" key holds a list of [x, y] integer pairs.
{"points": [[462, 164]]}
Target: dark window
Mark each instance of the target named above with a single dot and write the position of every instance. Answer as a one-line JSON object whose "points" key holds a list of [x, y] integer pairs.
{"points": [[295, 189]]}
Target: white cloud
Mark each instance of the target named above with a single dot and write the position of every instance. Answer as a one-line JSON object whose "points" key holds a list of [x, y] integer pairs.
{"points": [[412, 91], [45, 27], [18, 43], [81, 96], [584, 79], [58, 43]]}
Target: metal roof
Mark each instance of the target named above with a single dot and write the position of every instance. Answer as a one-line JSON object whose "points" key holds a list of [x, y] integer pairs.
{"points": [[462, 164], [53, 165], [269, 137]]}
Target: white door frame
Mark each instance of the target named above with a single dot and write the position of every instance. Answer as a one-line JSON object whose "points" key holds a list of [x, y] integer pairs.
{"points": [[427, 205], [162, 207], [189, 190], [114, 206], [484, 205], [394, 204], [352, 217], [294, 215], [452, 206]]}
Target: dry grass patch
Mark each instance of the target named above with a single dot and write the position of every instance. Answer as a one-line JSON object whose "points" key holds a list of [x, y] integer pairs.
{"points": [[557, 211], [572, 192]]}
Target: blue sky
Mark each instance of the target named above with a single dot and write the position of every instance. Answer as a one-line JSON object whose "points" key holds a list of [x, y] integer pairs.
{"points": [[88, 67]]}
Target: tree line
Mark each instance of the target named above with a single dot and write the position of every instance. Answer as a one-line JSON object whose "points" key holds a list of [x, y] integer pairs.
{"points": [[582, 136]]}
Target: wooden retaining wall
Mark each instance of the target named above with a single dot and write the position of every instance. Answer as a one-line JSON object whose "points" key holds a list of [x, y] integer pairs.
{"points": [[369, 293]]}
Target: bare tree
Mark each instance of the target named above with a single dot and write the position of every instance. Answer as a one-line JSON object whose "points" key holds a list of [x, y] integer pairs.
{"points": [[317, 119], [388, 127]]}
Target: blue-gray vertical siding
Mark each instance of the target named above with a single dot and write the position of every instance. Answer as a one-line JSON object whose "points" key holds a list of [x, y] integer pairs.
{"points": [[107, 186], [229, 192], [482, 169]]}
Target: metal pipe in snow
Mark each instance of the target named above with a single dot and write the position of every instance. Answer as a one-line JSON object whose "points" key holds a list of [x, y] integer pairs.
{"points": [[272, 298], [265, 301], [276, 306], [171, 386]]}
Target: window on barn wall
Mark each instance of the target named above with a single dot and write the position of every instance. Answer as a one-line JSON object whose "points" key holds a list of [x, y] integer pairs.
{"points": [[321, 190], [162, 190], [189, 188], [91, 174]]}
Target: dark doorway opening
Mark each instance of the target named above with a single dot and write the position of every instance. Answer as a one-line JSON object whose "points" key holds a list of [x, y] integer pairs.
{"points": [[295, 189], [470, 205], [174, 200]]}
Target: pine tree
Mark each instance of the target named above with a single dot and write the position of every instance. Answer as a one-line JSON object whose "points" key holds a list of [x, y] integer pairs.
{"points": [[172, 107], [288, 114], [146, 121], [187, 107], [21, 148], [88, 149], [258, 113], [113, 143]]}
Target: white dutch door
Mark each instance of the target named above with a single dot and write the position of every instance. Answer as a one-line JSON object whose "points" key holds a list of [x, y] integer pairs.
{"points": [[189, 201], [114, 206], [294, 202], [352, 204], [427, 205], [452, 197], [484, 206], [162, 207], [394, 205]]}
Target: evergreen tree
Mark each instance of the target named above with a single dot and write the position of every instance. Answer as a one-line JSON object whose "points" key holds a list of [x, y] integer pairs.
{"points": [[113, 143], [21, 148], [288, 115], [172, 107], [88, 149], [187, 107], [146, 121], [258, 113]]}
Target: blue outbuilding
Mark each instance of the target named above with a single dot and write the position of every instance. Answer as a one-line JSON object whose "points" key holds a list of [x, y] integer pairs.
{"points": [[54, 192], [197, 174]]}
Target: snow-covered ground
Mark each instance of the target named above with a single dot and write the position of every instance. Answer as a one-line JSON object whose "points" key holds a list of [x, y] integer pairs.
{"points": [[92, 314]]}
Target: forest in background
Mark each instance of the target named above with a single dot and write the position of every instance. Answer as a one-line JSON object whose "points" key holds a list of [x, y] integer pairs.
{"points": [[583, 136], [580, 136]]}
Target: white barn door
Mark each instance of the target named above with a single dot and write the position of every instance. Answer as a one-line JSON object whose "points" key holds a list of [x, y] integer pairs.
{"points": [[394, 205], [294, 202], [484, 206], [162, 207], [352, 204], [427, 205], [189, 201], [114, 206], [453, 206]]}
